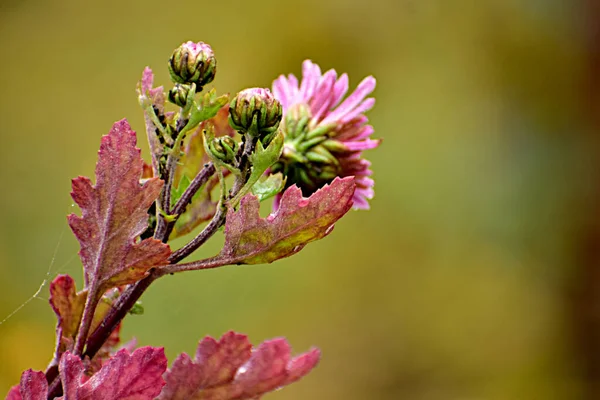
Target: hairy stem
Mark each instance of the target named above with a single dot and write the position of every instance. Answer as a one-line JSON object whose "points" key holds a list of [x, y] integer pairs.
{"points": [[208, 263], [164, 200], [119, 310], [199, 181], [95, 341], [86, 320], [202, 237], [219, 217]]}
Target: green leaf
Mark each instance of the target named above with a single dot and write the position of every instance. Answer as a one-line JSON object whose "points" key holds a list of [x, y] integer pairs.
{"points": [[268, 186], [260, 160], [207, 108], [178, 190]]}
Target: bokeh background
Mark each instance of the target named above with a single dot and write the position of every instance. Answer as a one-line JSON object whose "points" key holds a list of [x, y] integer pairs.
{"points": [[474, 276]]}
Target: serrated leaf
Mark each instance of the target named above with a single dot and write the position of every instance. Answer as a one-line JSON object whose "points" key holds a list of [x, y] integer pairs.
{"points": [[125, 376], [178, 190], [68, 306], [114, 214], [207, 108], [261, 159], [268, 186], [33, 386], [229, 369], [298, 221]]}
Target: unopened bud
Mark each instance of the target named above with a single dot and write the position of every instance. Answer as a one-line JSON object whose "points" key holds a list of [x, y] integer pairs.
{"points": [[255, 111], [193, 63], [178, 94], [223, 148]]}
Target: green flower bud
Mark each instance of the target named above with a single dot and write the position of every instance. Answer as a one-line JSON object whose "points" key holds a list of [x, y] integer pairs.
{"points": [[178, 94], [255, 111], [223, 148], [193, 63]]}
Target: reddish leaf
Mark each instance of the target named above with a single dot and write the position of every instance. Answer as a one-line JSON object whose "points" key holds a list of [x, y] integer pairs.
{"points": [[114, 214], [229, 370], [298, 221], [68, 307], [67, 304], [33, 386], [125, 376], [14, 393]]}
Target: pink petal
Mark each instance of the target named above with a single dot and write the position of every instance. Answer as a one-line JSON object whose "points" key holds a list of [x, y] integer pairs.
{"points": [[360, 203], [311, 73], [364, 133], [364, 106], [339, 90], [321, 101], [362, 145], [281, 91], [365, 183], [364, 88]]}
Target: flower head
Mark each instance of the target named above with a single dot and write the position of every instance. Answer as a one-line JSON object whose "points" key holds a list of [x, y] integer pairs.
{"points": [[193, 63], [325, 136], [255, 111]]}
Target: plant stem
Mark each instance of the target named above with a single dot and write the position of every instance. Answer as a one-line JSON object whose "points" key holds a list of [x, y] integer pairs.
{"points": [[86, 319], [199, 181], [202, 237]]}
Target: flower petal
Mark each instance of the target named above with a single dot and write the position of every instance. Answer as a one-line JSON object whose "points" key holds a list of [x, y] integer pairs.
{"points": [[364, 88]]}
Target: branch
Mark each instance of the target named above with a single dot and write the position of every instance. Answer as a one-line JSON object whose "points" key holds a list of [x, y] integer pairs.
{"points": [[202, 237], [213, 262], [199, 181]]}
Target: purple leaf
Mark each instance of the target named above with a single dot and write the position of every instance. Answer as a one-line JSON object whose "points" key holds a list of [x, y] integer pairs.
{"points": [[33, 386], [67, 304], [114, 214], [68, 307], [136, 376], [229, 370], [298, 221]]}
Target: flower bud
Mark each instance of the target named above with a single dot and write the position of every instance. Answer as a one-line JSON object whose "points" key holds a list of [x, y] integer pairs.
{"points": [[255, 111], [178, 94], [193, 63], [223, 148]]}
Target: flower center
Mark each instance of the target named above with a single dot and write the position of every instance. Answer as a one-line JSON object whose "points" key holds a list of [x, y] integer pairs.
{"points": [[307, 158]]}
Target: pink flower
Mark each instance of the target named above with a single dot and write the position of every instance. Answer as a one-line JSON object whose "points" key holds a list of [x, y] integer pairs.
{"points": [[325, 136]]}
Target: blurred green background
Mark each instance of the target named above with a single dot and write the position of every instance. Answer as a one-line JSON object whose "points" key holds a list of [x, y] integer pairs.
{"points": [[472, 275]]}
